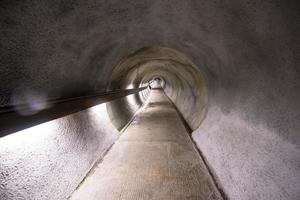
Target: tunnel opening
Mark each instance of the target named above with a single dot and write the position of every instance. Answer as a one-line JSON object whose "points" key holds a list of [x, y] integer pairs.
{"points": [[157, 67], [156, 82]]}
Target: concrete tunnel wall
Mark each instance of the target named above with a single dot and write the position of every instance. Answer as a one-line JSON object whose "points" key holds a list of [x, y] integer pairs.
{"points": [[48, 161], [121, 111], [245, 50]]}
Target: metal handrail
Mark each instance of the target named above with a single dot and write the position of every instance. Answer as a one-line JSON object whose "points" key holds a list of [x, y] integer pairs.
{"points": [[12, 121]]}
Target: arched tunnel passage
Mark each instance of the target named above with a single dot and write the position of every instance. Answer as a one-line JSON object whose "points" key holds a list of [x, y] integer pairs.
{"points": [[180, 78], [54, 51]]}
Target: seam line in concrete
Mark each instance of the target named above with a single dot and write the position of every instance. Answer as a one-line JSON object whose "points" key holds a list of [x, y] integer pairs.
{"points": [[132, 118], [92, 169]]}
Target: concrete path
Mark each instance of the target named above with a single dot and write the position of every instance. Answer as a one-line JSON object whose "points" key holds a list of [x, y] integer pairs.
{"points": [[154, 159]]}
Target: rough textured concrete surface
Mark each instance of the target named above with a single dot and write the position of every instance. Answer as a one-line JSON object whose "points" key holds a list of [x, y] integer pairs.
{"points": [[122, 110], [154, 159], [48, 161], [245, 54], [249, 157]]}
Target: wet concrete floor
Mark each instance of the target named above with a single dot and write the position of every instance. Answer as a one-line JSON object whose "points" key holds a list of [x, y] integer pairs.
{"points": [[154, 159]]}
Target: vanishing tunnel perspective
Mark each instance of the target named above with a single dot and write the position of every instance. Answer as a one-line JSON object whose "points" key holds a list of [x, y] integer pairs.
{"points": [[178, 76], [149, 100]]}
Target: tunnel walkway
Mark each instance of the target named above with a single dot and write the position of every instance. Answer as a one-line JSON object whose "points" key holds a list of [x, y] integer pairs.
{"points": [[153, 159]]}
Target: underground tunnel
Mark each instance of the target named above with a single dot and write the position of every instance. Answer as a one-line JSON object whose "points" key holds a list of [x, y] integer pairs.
{"points": [[149, 100]]}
